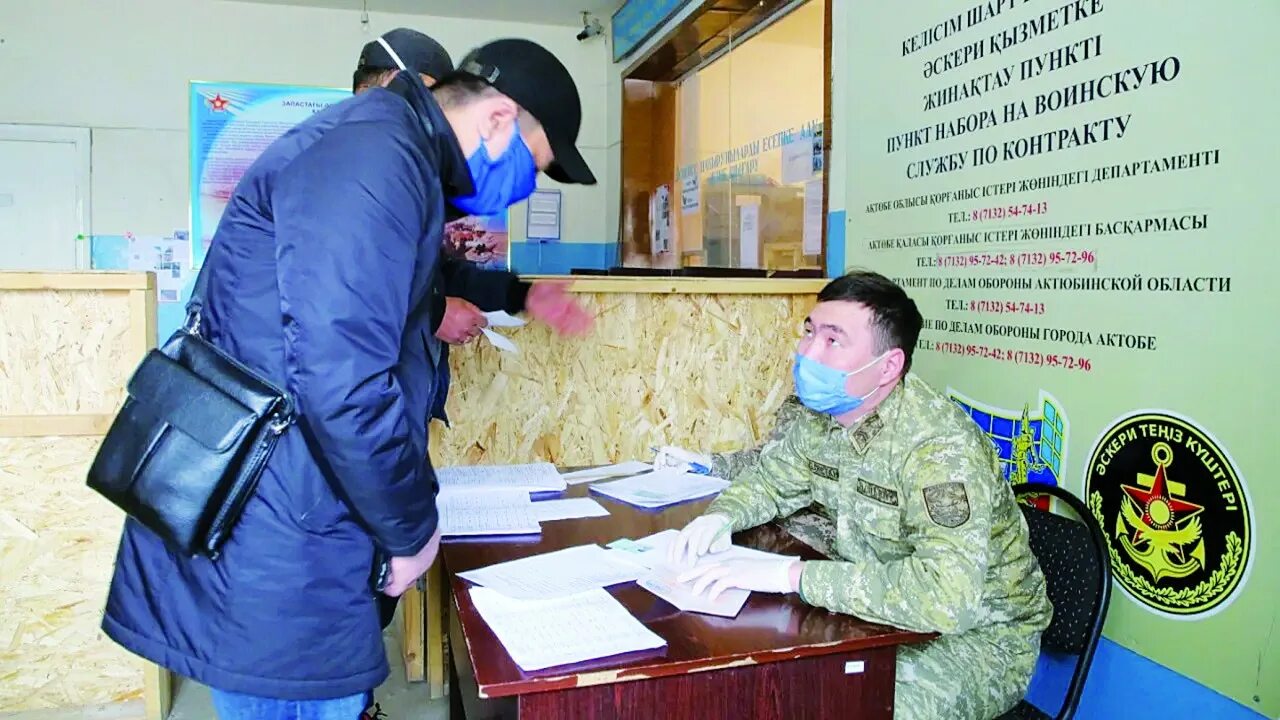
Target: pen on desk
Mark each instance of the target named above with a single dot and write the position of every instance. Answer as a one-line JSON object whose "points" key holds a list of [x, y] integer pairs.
{"points": [[695, 468]]}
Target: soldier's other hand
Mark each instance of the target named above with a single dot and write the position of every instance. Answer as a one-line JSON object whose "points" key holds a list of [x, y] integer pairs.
{"points": [[549, 302], [771, 576], [670, 456], [709, 533], [461, 323]]}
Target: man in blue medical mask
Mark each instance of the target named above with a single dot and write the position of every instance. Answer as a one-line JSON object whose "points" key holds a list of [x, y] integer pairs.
{"points": [[319, 279], [927, 534]]}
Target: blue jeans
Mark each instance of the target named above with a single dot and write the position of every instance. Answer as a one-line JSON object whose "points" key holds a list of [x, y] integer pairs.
{"points": [[233, 706]]}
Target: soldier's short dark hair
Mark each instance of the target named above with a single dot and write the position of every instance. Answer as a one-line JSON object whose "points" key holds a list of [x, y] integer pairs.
{"points": [[895, 318]]}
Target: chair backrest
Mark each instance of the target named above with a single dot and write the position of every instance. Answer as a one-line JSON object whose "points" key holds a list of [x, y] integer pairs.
{"points": [[1073, 555]]}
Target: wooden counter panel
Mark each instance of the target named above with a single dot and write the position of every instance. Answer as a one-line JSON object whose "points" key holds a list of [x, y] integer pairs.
{"points": [[703, 371]]}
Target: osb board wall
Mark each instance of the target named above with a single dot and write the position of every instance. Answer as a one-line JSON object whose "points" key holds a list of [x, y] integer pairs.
{"points": [[61, 352], [706, 372]]}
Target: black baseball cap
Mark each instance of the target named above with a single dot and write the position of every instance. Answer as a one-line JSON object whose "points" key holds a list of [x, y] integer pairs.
{"points": [[529, 74], [406, 49]]}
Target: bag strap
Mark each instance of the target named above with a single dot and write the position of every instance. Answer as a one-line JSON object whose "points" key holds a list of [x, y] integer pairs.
{"points": [[196, 302]]}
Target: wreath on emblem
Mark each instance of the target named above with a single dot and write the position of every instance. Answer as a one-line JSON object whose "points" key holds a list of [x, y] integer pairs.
{"points": [[1199, 594]]}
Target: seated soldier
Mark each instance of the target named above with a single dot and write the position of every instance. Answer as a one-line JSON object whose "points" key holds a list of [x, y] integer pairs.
{"points": [[812, 526], [929, 537]]}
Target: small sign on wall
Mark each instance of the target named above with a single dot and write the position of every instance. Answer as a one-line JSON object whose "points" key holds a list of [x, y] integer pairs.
{"points": [[544, 216]]}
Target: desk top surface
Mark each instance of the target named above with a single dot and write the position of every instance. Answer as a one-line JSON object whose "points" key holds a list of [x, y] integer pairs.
{"points": [[770, 628]]}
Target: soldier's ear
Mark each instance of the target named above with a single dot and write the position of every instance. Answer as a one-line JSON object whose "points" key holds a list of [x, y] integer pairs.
{"points": [[891, 368]]}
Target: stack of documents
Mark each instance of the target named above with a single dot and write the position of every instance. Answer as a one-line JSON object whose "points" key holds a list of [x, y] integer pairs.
{"points": [[630, 467], [661, 487], [493, 499], [535, 477], [661, 580], [563, 572], [486, 512], [563, 630]]}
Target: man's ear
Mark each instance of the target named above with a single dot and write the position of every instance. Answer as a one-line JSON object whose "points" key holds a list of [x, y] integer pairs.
{"points": [[892, 369], [498, 111]]}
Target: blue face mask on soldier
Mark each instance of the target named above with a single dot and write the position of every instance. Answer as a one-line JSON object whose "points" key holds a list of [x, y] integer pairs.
{"points": [[821, 388], [502, 181]]}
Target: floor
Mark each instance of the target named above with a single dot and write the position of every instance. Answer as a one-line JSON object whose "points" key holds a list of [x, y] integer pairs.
{"points": [[398, 699]]}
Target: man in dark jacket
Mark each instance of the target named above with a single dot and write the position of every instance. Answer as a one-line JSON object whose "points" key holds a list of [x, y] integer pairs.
{"points": [[462, 292], [320, 278]]}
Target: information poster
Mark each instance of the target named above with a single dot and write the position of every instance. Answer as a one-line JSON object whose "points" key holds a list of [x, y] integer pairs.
{"points": [[1080, 197], [232, 123]]}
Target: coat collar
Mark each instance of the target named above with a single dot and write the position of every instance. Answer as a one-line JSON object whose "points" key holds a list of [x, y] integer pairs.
{"points": [[455, 176]]}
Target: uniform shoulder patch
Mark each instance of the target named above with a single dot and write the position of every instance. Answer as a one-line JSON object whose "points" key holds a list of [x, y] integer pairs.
{"points": [[947, 504], [876, 492], [823, 471]]}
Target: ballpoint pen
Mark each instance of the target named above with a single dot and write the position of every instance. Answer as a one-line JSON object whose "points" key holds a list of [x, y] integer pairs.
{"points": [[695, 468]]}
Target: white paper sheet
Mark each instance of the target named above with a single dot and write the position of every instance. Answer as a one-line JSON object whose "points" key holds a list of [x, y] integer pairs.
{"points": [[567, 509], [797, 161], [662, 487], [553, 574], [534, 477], [622, 469], [500, 341], [584, 626], [811, 231], [504, 511], [663, 583], [651, 551], [501, 318], [749, 236], [662, 580]]}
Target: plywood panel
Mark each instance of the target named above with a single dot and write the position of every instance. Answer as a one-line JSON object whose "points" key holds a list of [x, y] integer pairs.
{"points": [[64, 353], [57, 550], [703, 371]]}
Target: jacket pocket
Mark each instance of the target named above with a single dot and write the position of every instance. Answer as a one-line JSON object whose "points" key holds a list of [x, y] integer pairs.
{"points": [[877, 520]]}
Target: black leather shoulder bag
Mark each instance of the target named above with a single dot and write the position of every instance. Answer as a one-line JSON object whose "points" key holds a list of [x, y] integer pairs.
{"points": [[186, 450]]}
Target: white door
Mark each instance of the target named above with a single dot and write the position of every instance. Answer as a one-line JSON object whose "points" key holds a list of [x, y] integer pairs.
{"points": [[44, 198]]}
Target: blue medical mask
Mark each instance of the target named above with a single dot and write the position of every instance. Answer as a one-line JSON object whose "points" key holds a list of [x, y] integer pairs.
{"points": [[502, 181], [821, 388]]}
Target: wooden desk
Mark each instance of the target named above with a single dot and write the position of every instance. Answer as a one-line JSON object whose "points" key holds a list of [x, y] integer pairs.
{"points": [[778, 658]]}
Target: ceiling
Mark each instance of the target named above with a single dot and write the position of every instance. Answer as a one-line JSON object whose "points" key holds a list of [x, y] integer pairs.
{"points": [[545, 12]]}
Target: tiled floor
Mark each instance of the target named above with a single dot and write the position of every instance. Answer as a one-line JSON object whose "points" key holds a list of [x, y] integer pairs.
{"points": [[398, 699]]}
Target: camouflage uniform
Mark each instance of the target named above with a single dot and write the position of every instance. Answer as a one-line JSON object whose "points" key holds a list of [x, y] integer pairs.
{"points": [[928, 538], [811, 526]]}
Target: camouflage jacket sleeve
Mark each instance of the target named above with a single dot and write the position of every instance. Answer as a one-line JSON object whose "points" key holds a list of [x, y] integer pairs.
{"points": [[775, 485], [937, 585], [727, 465]]}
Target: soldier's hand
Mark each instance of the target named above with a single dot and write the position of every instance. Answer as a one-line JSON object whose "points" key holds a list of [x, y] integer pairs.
{"points": [[771, 575], [670, 456], [709, 533]]}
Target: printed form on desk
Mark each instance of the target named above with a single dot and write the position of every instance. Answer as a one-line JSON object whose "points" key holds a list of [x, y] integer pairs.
{"points": [[534, 477], [545, 633], [568, 509], [622, 469], [660, 488], [563, 572], [506, 511], [661, 580]]}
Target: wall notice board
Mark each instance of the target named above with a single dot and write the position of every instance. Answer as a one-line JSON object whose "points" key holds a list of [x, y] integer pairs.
{"points": [[1078, 195]]}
